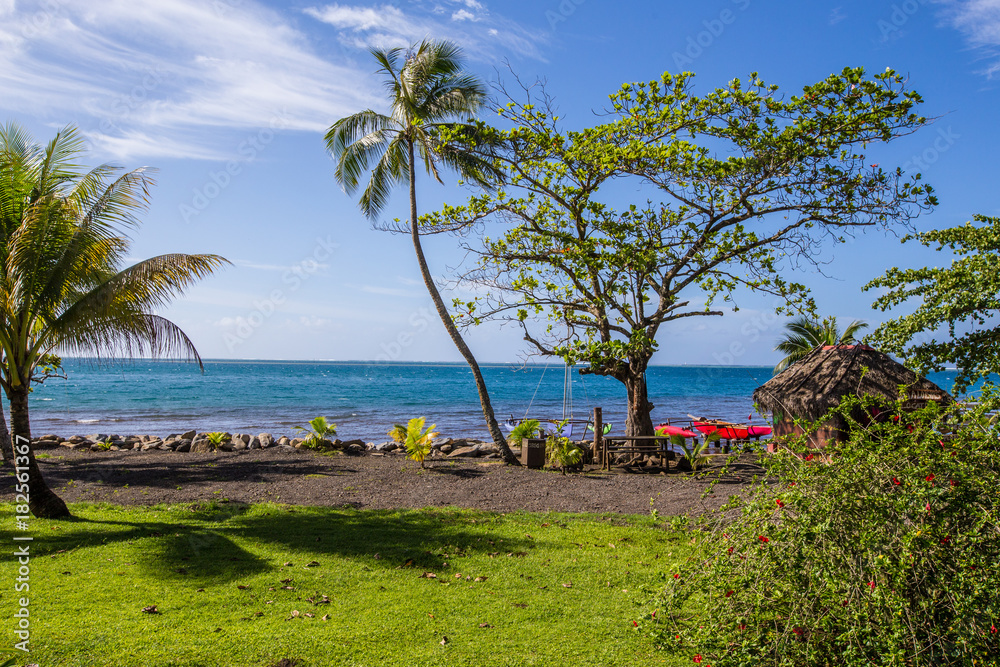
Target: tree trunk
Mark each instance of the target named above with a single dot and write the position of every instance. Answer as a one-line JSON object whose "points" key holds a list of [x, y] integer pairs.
{"points": [[638, 421], [45, 504], [484, 398], [8, 456]]}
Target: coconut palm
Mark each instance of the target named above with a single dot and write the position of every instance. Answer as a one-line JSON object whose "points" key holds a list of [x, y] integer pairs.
{"points": [[430, 96], [805, 334], [62, 243]]}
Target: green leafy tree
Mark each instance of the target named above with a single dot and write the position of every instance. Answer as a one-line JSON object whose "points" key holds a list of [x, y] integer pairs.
{"points": [[959, 303], [804, 334], [430, 95], [62, 243], [742, 182]]}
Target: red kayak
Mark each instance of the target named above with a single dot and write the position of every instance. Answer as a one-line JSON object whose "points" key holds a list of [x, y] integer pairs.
{"points": [[758, 431], [667, 429], [726, 430]]}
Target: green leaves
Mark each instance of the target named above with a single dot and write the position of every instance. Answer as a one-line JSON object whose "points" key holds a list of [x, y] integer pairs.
{"points": [[419, 440], [957, 302]]}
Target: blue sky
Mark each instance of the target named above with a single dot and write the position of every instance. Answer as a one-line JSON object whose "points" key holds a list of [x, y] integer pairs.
{"points": [[229, 99]]}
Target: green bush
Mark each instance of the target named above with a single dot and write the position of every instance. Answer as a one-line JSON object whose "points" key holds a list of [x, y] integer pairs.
{"points": [[317, 432], [561, 451], [528, 428], [419, 440], [884, 551]]}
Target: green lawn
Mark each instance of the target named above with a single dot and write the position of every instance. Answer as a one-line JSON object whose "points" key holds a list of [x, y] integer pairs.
{"points": [[247, 585]]}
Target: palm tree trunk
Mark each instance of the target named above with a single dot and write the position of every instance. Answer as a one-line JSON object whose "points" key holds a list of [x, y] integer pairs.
{"points": [[484, 398], [44, 503]]}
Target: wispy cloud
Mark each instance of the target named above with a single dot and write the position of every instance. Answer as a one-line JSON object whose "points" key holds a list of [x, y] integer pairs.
{"points": [[979, 21], [389, 291], [470, 23], [190, 78], [313, 266], [151, 77]]}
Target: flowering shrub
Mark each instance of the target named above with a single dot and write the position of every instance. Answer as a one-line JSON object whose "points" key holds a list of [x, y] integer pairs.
{"points": [[884, 551]]}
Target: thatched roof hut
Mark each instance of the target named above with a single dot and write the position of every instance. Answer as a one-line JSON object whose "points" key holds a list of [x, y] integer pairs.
{"points": [[818, 381]]}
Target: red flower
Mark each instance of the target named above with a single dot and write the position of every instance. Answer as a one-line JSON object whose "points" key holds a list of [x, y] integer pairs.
{"points": [[871, 584], [809, 458], [791, 484], [993, 629], [780, 502], [797, 631], [930, 478], [763, 539], [945, 540], [895, 481], [697, 658], [635, 624], [927, 507], [953, 483], [676, 576], [728, 593], [741, 627], [844, 603]]}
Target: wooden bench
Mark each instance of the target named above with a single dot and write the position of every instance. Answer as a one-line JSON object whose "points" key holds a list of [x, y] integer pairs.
{"points": [[637, 445]]}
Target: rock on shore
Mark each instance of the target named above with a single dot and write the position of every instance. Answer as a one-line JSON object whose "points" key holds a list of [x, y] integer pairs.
{"points": [[199, 442]]}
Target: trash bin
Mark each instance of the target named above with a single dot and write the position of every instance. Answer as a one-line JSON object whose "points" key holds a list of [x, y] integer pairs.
{"points": [[533, 452]]}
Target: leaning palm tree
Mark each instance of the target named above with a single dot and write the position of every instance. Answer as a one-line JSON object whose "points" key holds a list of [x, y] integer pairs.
{"points": [[430, 96], [62, 243], [805, 334]]}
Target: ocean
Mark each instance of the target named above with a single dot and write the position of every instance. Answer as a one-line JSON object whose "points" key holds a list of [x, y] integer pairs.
{"points": [[364, 399]]}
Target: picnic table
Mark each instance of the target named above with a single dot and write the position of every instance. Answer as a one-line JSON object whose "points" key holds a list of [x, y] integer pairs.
{"points": [[637, 445]]}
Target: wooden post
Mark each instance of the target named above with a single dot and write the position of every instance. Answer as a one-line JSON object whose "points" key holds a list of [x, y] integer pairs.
{"points": [[598, 437]]}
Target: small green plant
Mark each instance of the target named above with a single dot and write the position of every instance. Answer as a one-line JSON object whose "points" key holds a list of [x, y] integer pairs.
{"points": [[398, 433], [561, 451], [103, 445], [216, 439], [418, 439], [316, 433], [529, 428], [694, 454]]}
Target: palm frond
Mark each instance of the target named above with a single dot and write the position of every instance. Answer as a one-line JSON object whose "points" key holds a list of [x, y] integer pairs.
{"points": [[392, 168]]}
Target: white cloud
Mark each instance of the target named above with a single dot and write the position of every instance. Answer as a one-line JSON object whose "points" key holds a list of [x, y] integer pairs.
{"points": [[481, 33], [979, 21], [152, 77]]}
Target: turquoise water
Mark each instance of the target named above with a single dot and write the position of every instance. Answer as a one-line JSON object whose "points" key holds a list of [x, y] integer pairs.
{"points": [[363, 399]]}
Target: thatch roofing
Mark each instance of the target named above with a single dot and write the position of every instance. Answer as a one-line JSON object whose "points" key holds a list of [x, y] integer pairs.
{"points": [[815, 383]]}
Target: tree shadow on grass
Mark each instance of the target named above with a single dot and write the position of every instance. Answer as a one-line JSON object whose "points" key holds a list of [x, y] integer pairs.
{"points": [[209, 544]]}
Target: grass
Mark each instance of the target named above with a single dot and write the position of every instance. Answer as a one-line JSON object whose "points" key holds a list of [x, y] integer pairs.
{"points": [[247, 585]]}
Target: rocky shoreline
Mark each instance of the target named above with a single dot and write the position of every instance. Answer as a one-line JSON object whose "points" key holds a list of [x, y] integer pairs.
{"points": [[200, 442]]}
